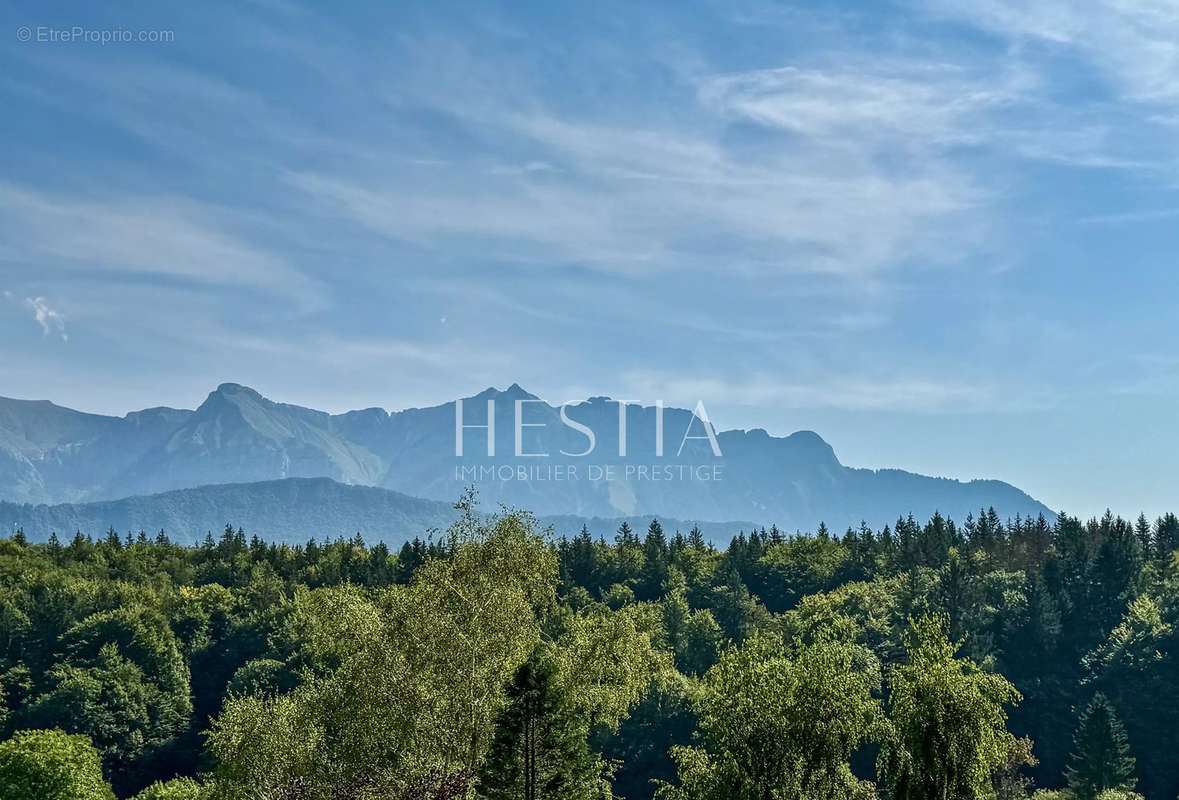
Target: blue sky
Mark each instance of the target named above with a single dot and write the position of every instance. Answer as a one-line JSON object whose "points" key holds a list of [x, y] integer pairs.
{"points": [[941, 233]]}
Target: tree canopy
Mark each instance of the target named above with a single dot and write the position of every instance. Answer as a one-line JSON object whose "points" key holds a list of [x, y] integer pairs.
{"points": [[985, 658]]}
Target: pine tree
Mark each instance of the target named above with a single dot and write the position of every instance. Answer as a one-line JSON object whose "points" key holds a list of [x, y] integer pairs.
{"points": [[1166, 536], [655, 561], [580, 561], [539, 751], [1101, 757], [1144, 534]]}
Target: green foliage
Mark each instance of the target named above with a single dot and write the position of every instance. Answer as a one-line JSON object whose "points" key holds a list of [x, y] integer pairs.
{"points": [[1137, 667], [641, 748], [123, 683], [605, 661], [540, 748], [693, 637], [110, 702], [401, 692], [804, 565], [864, 612], [276, 746], [778, 724], [1101, 757], [178, 789], [950, 735], [336, 669], [260, 677], [50, 765]]}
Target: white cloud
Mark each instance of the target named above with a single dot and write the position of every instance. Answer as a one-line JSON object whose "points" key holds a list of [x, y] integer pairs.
{"points": [[50, 319], [849, 163], [913, 104], [160, 236], [639, 199], [1134, 42]]}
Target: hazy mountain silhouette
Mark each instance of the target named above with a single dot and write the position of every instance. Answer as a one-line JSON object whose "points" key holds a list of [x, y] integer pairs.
{"points": [[50, 454], [292, 510]]}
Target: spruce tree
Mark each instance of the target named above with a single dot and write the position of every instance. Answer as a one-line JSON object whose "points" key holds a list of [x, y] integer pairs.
{"points": [[1101, 757], [625, 536], [655, 562], [539, 751]]}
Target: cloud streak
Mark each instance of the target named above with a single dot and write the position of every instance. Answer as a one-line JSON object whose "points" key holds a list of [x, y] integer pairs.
{"points": [[632, 199], [1135, 43], [165, 237], [50, 319]]}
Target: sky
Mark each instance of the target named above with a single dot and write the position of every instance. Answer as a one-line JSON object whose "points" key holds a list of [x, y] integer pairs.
{"points": [[941, 233]]}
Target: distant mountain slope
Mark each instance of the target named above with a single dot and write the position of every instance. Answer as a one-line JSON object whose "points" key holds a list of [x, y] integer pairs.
{"points": [[292, 510], [238, 436], [54, 454], [50, 454]]}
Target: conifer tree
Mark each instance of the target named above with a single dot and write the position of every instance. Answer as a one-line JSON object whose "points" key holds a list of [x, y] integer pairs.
{"points": [[1101, 757], [539, 751], [655, 558], [1166, 536]]}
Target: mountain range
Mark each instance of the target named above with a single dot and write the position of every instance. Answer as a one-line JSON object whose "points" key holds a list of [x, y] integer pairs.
{"points": [[51, 455], [293, 510]]}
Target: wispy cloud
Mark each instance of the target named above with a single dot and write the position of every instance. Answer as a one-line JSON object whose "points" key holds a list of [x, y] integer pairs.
{"points": [[50, 319], [911, 103], [643, 199], [1135, 43], [166, 237]]}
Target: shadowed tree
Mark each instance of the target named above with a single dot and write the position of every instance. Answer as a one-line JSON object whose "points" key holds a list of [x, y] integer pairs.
{"points": [[1101, 757], [539, 751]]}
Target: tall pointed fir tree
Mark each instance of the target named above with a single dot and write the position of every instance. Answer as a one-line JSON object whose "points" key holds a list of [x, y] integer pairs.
{"points": [[1101, 757], [655, 562], [539, 751]]}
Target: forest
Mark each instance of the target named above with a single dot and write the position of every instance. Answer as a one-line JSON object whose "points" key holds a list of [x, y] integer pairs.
{"points": [[928, 660]]}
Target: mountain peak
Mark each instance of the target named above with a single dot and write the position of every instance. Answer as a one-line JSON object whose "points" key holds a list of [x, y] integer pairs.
{"points": [[235, 388], [812, 446], [513, 392], [231, 398], [230, 394], [809, 438]]}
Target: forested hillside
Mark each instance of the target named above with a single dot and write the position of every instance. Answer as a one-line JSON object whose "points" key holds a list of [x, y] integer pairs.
{"points": [[290, 510], [980, 659]]}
